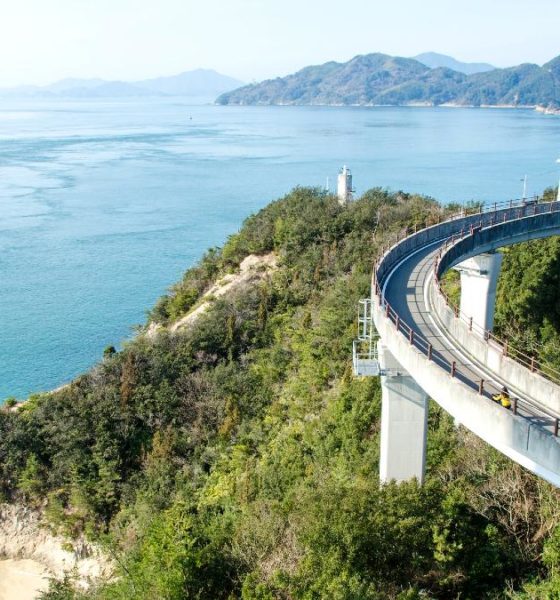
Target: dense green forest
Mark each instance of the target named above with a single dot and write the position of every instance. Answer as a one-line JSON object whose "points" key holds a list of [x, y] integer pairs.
{"points": [[528, 297], [238, 457]]}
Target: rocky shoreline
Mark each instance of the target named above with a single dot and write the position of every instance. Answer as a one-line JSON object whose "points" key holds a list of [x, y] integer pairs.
{"points": [[548, 110]]}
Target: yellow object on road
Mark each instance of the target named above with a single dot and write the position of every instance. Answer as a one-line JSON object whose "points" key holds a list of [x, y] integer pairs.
{"points": [[503, 399]]}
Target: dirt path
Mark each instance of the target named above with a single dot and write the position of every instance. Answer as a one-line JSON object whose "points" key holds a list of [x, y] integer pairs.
{"points": [[22, 579], [30, 551]]}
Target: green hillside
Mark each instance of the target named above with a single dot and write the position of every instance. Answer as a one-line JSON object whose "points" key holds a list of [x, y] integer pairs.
{"points": [[238, 457], [378, 79]]}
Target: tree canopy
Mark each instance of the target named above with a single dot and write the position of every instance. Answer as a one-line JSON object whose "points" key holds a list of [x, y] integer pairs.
{"points": [[238, 457]]}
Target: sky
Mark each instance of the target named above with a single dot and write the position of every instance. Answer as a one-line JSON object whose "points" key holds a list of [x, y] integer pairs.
{"points": [[42, 41]]}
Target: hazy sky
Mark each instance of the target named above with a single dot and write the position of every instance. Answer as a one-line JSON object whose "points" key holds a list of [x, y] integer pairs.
{"points": [[45, 40]]}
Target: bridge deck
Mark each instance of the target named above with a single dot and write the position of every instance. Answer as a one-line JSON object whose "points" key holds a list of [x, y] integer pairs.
{"points": [[413, 275]]}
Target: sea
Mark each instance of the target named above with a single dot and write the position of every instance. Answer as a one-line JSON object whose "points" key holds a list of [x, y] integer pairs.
{"points": [[105, 203]]}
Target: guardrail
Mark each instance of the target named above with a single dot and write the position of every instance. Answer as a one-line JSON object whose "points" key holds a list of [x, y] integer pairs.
{"points": [[508, 349], [456, 228], [428, 231]]}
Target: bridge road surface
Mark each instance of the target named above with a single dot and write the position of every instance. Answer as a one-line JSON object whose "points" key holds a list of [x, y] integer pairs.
{"points": [[413, 275]]}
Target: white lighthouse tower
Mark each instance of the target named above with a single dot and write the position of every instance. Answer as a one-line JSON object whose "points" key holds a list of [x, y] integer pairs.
{"points": [[344, 189]]}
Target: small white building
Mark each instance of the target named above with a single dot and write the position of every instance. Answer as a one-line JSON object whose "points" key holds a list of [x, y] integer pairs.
{"points": [[344, 188]]}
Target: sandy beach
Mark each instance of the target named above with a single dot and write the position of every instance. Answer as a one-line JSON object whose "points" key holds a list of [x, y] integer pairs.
{"points": [[22, 579]]}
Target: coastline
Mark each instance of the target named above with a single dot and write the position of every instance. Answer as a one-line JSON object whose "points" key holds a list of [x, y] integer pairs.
{"points": [[41, 375], [29, 553], [546, 110], [252, 269]]}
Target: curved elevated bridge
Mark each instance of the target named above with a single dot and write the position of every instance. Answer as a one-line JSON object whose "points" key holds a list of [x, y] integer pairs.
{"points": [[429, 348]]}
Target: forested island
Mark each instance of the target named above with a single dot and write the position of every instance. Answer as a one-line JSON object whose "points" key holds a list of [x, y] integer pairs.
{"points": [[228, 452], [378, 79]]}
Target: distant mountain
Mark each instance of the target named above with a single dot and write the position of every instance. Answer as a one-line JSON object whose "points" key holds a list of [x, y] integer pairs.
{"points": [[435, 60], [106, 89], [378, 79], [72, 83], [200, 82]]}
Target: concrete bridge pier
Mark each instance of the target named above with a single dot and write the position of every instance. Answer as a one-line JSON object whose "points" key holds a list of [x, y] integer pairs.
{"points": [[404, 422], [479, 278]]}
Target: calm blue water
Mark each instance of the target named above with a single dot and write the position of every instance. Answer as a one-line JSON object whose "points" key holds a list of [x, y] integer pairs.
{"points": [[105, 204]]}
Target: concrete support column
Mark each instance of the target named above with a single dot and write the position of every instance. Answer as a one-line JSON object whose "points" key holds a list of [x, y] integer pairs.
{"points": [[404, 422], [479, 278]]}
